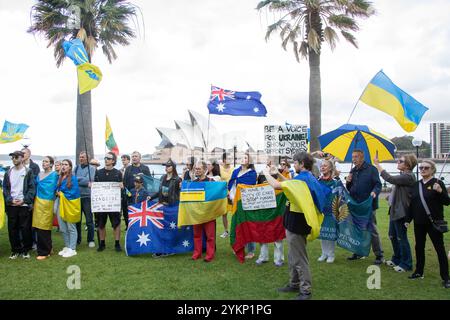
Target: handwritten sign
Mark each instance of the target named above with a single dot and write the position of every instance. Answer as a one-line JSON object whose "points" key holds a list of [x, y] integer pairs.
{"points": [[105, 197], [285, 140], [258, 198]]}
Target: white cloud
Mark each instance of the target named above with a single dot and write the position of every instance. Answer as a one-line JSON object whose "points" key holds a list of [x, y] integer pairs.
{"points": [[190, 45]]}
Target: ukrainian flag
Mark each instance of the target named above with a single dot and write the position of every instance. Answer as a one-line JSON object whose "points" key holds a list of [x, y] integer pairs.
{"points": [[300, 199], [2, 210], [201, 202], [382, 94], [89, 76], [12, 132], [69, 201], [44, 201]]}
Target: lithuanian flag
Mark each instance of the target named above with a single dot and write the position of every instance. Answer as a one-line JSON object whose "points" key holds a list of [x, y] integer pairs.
{"points": [[264, 225], [109, 138], [201, 202]]}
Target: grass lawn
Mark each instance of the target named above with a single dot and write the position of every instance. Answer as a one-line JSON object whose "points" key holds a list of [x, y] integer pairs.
{"points": [[111, 275]]}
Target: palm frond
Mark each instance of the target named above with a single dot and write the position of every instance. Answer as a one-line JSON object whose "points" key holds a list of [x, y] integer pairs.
{"points": [[313, 40], [350, 38], [331, 37], [343, 22]]}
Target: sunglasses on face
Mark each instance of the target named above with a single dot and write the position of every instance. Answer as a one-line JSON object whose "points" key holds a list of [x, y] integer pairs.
{"points": [[424, 168], [107, 158], [400, 161], [14, 157]]}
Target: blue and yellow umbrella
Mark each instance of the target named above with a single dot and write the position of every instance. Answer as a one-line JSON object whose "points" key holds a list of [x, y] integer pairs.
{"points": [[342, 141]]}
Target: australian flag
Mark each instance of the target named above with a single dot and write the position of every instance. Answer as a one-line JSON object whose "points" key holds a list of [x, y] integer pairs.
{"points": [[152, 228], [234, 103]]}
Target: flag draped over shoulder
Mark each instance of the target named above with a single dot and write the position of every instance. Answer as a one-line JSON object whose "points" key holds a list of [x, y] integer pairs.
{"points": [[382, 94], [2, 210], [12, 132], [69, 201], [89, 76], [151, 184], [263, 225], [234, 103], [44, 201], [109, 138], [201, 202], [152, 228]]}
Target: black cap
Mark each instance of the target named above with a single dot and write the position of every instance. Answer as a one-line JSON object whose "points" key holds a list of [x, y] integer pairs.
{"points": [[138, 178], [16, 153], [170, 163]]}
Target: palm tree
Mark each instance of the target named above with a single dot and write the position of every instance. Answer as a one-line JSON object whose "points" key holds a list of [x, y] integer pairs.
{"points": [[307, 24], [95, 22]]}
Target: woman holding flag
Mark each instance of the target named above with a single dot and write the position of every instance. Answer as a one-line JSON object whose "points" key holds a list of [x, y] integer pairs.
{"points": [[69, 208], [46, 183], [245, 174]]}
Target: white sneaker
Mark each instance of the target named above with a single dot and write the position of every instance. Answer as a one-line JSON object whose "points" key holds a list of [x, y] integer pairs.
{"points": [[399, 269], [69, 253], [224, 235], [63, 251], [389, 263], [330, 259], [92, 244], [322, 258]]}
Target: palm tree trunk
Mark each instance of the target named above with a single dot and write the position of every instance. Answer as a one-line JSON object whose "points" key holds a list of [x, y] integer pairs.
{"points": [[315, 100], [84, 125]]}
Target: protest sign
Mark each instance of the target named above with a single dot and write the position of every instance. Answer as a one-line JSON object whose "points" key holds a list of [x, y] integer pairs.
{"points": [[258, 198], [105, 197], [285, 140]]}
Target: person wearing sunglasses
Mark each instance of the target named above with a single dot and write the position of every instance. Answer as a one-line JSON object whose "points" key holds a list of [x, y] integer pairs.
{"points": [[429, 194], [19, 191], [109, 174], [399, 199]]}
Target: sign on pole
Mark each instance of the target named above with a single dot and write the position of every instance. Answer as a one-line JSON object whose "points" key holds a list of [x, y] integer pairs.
{"points": [[257, 198], [105, 197], [285, 140]]}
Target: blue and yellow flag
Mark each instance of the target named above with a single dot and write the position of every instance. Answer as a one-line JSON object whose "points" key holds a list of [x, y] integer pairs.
{"points": [[382, 94], [2, 210], [75, 50], [201, 202], [89, 76], [69, 201], [44, 201], [12, 132]]}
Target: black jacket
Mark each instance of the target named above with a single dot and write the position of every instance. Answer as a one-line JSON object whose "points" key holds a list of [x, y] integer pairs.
{"points": [[174, 190], [34, 168], [29, 188], [365, 180], [434, 200], [128, 178]]}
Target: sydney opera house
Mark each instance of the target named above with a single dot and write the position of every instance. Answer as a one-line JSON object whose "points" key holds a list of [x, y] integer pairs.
{"points": [[196, 138]]}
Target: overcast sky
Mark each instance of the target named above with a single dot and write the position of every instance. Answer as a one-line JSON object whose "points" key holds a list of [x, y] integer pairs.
{"points": [[189, 45]]}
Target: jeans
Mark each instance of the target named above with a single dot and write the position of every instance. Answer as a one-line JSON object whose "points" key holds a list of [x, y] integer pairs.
{"points": [[376, 241], [69, 232], [402, 252], [278, 256], [250, 247], [86, 208]]}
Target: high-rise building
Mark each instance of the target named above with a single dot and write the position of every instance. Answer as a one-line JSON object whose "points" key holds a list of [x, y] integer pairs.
{"points": [[440, 139]]}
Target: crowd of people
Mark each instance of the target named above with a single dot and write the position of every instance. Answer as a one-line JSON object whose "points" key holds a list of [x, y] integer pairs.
{"points": [[33, 197]]}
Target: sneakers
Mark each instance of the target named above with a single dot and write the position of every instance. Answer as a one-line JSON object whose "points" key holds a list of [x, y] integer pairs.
{"points": [[416, 276], [446, 284], [330, 259], [13, 256], [303, 296], [389, 263], [379, 260], [278, 263], [91, 244], [322, 258], [69, 253], [355, 257], [399, 269], [260, 261], [288, 288], [224, 235], [63, 251], [25, 255], [250, 255]]}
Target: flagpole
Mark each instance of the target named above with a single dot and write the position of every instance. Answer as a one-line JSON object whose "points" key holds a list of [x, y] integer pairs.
{"points": [[207, 139], [362, 95]]}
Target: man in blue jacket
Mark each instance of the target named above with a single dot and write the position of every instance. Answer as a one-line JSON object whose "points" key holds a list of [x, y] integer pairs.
{"points": [[85, 174], [363, 182]]}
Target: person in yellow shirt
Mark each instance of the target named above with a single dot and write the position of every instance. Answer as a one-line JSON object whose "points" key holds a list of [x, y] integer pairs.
{"points": [[225, 174]]}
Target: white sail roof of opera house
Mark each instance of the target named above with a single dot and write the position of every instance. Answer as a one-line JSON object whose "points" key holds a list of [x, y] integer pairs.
{"points": [[194, 134]]}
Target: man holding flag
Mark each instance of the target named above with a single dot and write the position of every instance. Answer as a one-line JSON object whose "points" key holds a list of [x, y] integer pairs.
{"points": [[302, 219]]}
